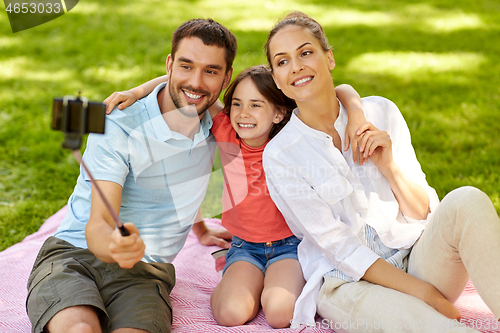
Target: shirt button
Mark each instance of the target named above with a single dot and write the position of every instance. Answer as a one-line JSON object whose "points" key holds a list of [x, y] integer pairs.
{"points": [[359, 187]]}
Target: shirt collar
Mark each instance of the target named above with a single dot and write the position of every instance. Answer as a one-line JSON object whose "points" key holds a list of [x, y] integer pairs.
{"points": [[305, 128], [340, 124], [205, 126], [161, 129]]}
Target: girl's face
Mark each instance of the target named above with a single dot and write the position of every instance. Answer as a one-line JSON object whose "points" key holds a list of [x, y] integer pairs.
{"points": [[252, 116], [301, 68]]}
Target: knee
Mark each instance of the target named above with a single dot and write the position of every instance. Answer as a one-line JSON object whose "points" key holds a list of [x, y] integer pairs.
{"points": [[468, 198], [232, 313], [278, 313], [470, 204], [75, 319], [81, 328], [467, 195], [279, 319]]}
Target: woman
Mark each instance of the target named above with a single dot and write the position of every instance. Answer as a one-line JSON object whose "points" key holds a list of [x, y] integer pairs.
{"points": [[391, 256]]}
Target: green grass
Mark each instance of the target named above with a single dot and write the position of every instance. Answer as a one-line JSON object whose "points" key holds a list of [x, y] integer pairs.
{"points": [[438, 60]]}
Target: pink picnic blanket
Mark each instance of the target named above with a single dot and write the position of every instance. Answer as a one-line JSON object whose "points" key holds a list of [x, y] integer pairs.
{"points": [[196, 278]]}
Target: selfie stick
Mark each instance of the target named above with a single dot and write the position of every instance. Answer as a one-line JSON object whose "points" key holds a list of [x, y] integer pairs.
{"points": [[73, 140], [115, 217]]}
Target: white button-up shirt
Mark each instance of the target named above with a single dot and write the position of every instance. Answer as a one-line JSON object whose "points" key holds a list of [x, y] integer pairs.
{"points": [[327, 199]]}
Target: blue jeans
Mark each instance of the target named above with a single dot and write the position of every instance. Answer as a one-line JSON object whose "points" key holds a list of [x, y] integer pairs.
{"points": [[262, 254]]}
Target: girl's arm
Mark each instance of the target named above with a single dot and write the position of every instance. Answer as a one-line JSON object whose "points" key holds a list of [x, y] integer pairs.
{"points": [[128, 97], [355, 118], [208, 236]]}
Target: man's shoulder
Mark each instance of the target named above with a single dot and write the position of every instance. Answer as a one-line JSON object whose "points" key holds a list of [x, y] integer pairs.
{"points": [[130, 117]]}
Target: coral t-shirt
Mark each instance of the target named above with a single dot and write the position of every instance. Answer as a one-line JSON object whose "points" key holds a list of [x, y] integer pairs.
{"points": [[248, 210]]}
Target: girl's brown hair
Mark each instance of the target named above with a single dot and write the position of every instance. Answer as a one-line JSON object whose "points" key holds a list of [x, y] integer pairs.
{"points": [[262, 78], [301, 20]]}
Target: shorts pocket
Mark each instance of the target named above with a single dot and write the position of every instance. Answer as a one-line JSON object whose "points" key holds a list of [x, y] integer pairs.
{"points": [[38, 276], [294, 241], [163, 316], [41, 296], [39, 257], [163, 292], [237, 242]]}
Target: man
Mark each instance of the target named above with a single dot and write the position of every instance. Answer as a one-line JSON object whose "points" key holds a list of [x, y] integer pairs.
{"points": [[153, 165]]}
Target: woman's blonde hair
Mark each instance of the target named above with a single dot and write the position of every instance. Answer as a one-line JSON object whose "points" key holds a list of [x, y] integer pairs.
{"points": [[301, 20]]}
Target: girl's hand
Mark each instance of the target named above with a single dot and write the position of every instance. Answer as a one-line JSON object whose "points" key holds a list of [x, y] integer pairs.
{"points": [[219, 237], [126, 98], [354, 122], [128, 250], [376, 145]]}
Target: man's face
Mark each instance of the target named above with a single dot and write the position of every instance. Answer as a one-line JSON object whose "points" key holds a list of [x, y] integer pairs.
{"points": [[197, 75]]}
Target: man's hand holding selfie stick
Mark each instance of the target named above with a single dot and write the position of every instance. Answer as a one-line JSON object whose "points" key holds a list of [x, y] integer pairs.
{"points": [[76, 116]]}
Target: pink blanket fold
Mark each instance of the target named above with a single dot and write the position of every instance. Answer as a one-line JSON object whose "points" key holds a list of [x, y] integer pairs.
{"points": [[196, 278]]}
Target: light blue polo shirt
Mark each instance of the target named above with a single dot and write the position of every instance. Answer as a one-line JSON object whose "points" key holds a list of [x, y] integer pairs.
{"points": [[164, 176]]}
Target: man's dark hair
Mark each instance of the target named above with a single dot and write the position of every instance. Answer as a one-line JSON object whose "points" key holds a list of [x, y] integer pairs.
{"points": [[211, 33]]}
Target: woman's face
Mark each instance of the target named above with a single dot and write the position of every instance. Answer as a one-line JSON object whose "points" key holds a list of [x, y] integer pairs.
{"points": [[301, 68]]}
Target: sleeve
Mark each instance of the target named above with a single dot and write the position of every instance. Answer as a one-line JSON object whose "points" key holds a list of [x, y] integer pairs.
{"points": [[106, 155], [405, 157], [309, 216], [217, 122]]}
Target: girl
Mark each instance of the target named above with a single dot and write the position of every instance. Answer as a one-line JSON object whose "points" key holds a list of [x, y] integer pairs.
{"points": [[358, 223], [261, 265]]}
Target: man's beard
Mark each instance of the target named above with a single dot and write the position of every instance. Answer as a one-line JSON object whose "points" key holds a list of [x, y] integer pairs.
{"points": [[187, 110]]}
